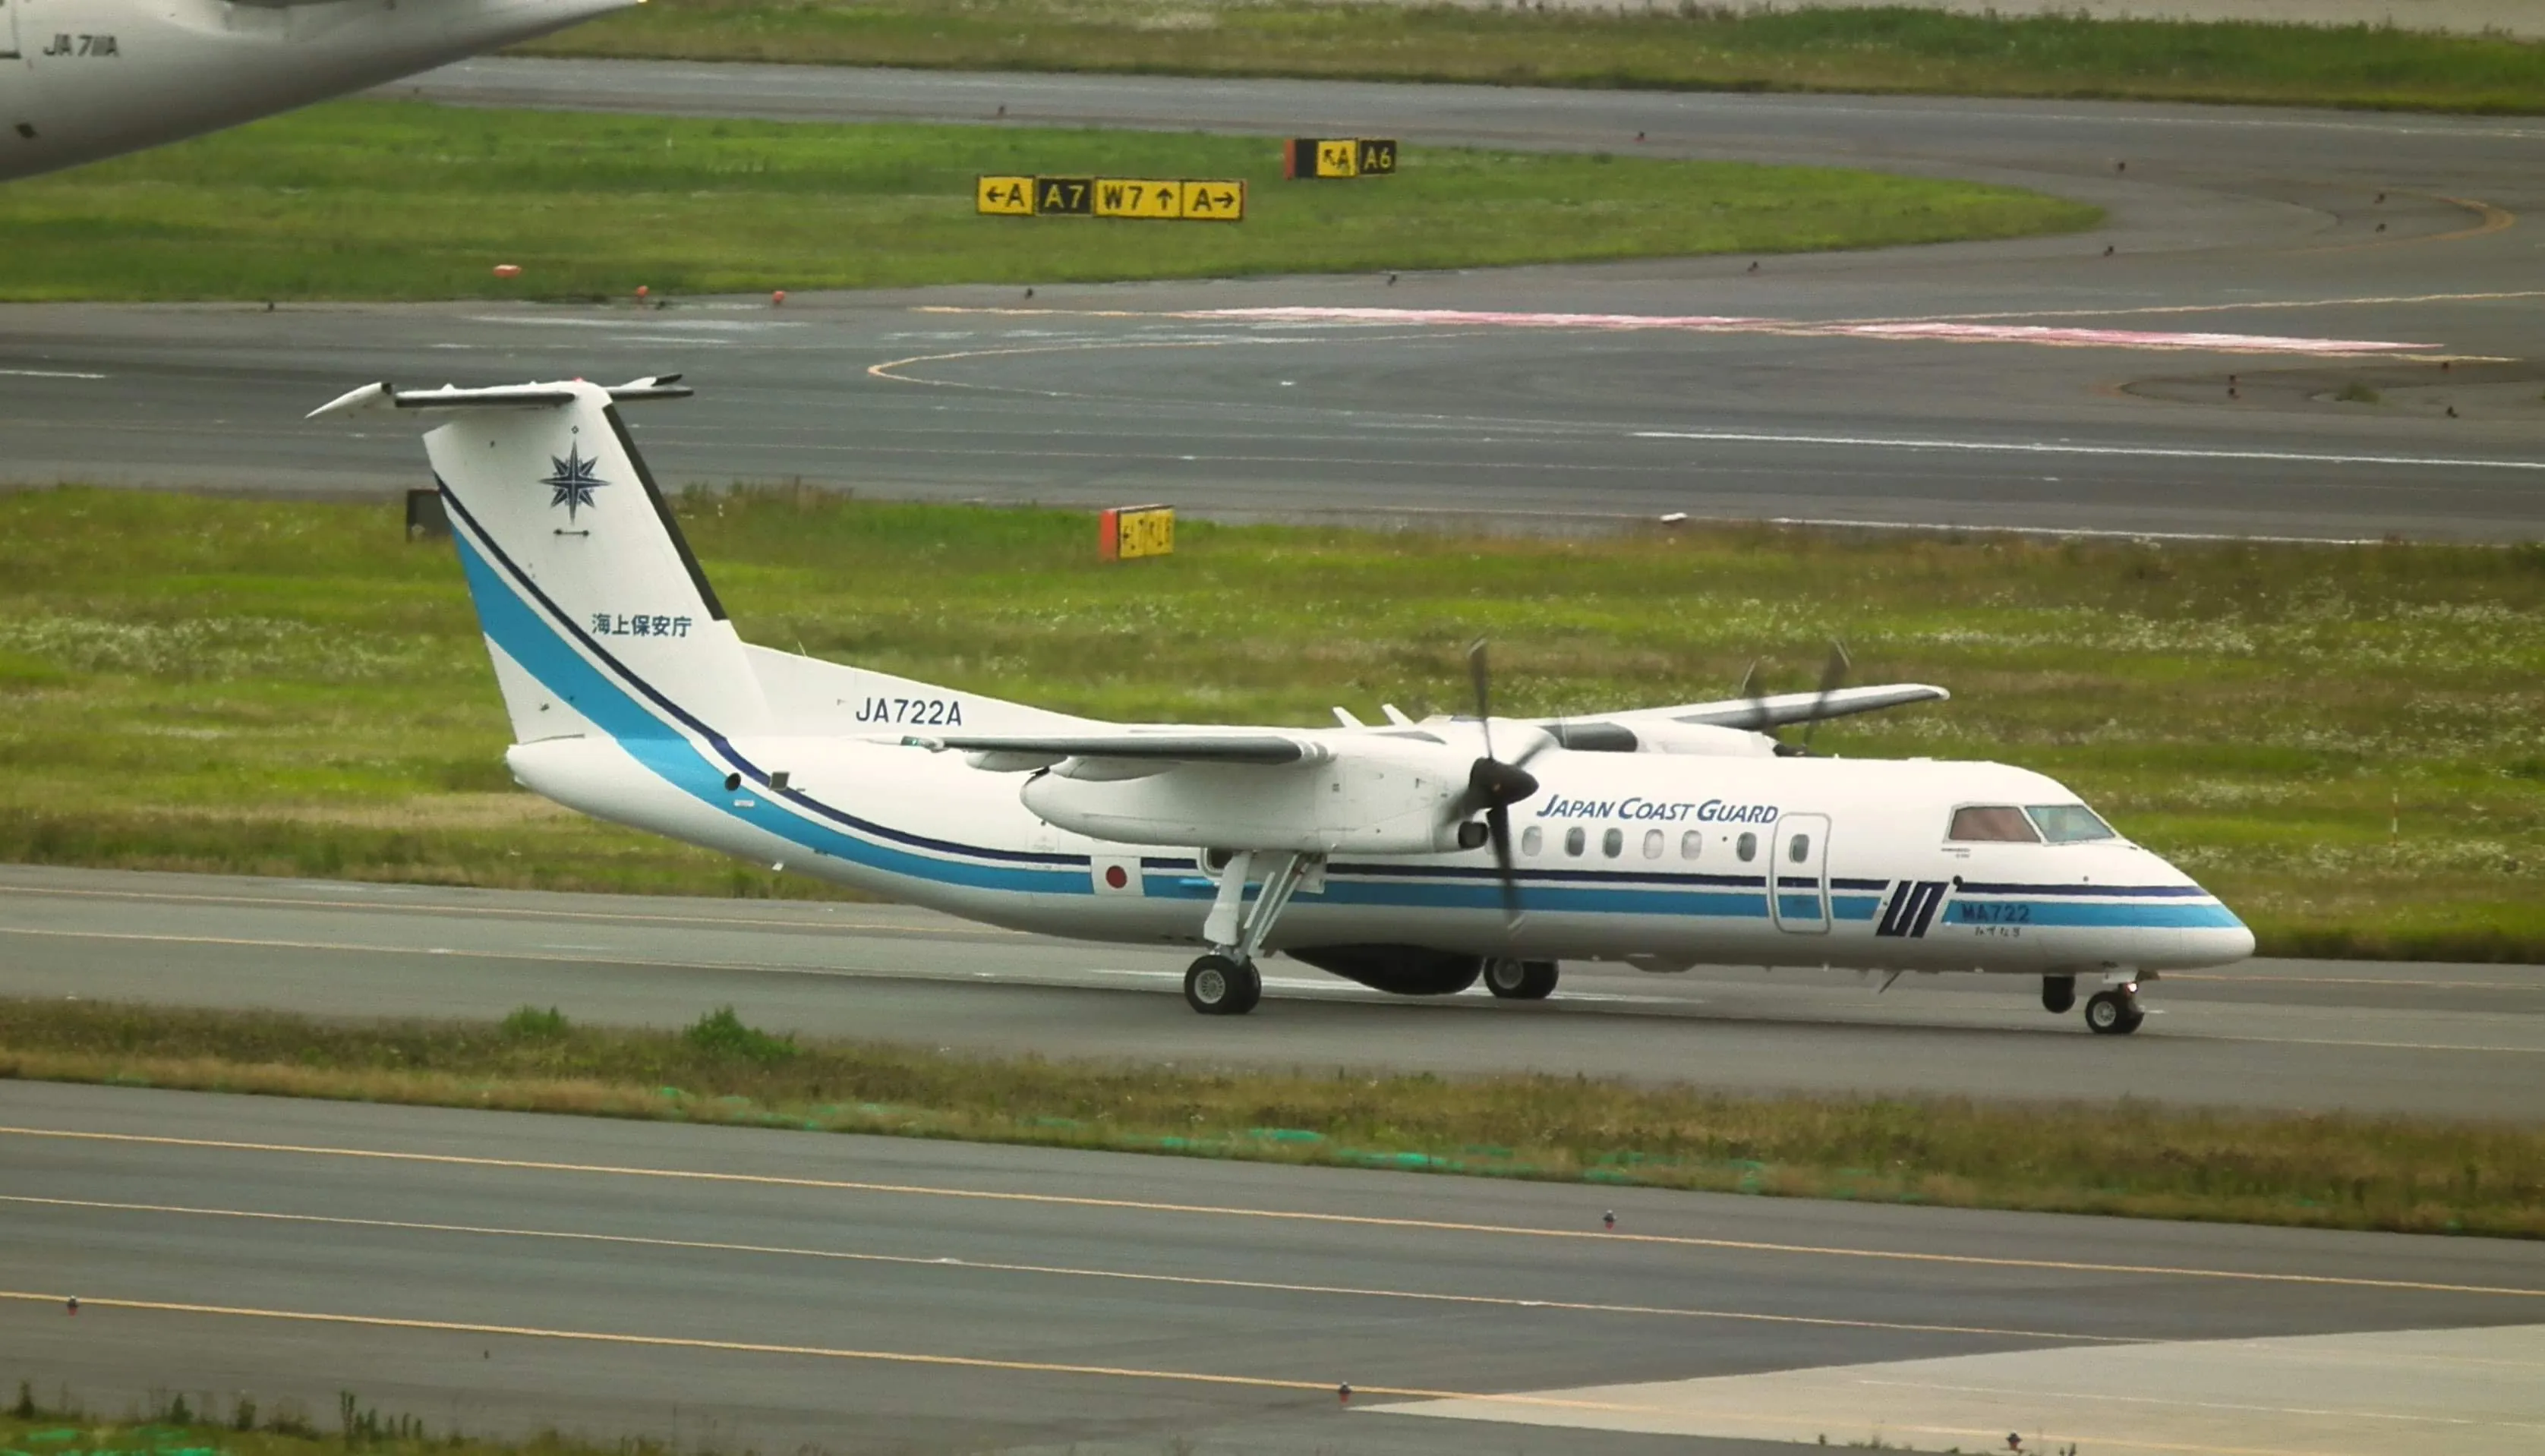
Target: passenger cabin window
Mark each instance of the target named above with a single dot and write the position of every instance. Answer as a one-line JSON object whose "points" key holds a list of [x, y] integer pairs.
{"points": [[2069, 824], [1800, 849], [1992, 822], [1652, 844], [1573, 842], [1532, 840], [1746, 847], [1690, 843], [1613, 843]]}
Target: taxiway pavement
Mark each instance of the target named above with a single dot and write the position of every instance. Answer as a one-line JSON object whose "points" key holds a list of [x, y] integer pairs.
{"points": [[736, 1289], [2450, 1040], [2280, 255]]}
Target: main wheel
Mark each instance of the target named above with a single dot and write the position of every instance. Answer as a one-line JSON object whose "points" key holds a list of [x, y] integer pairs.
{"points": [[1217, 986], [1521, 980], [2058, 995], [2110, 1014]]}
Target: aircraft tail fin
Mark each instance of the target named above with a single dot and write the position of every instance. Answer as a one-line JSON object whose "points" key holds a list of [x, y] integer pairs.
{"points": [[594, 610]]}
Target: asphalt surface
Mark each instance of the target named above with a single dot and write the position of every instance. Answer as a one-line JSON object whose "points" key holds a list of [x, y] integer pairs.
{"points": [[2450, 1040], [773, 1291], [2336, 248]]}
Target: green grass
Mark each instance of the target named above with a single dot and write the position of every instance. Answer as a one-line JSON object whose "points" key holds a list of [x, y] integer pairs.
{"points": [[235, 1423], [2348, 743], [303, 207], [1694, 47], [2136, 1160]]}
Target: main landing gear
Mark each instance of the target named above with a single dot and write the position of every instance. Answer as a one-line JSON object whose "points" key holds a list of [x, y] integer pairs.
{"points": [[1521, 980], [1217, 986], [1224, 982]]}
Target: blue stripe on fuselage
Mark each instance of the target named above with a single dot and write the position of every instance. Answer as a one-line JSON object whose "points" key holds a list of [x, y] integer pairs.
{"points": [[525, 636]]}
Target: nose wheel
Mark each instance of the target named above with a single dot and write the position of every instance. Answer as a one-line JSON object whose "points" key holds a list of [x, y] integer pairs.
{"points": [[1220, 986], [2114, 1013]]}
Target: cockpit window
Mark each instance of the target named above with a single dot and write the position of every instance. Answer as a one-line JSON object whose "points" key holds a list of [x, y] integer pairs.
{"points": [[1997, 822], [2069, 824]]}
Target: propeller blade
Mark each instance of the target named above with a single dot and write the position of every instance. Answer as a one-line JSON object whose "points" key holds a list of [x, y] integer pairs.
{"points": [[1498, 822], [1480, 677], [1833, 677]]}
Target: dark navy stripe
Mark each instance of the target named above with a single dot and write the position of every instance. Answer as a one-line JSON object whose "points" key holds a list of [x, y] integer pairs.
{"points": [[1555, 876], [2144, 892]]}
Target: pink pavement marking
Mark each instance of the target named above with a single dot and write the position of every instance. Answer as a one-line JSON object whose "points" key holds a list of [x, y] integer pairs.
{"points": [[2053, 336]]}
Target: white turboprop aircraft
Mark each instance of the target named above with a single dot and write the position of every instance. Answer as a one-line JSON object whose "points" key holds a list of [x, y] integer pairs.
{"points": [[1663, 838], [84, 79]]}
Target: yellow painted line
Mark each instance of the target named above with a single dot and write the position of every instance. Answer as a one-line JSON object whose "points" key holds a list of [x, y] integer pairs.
{"points": [[1062, 1270], [816, 1351], [1348, 1220], [510, 912]]}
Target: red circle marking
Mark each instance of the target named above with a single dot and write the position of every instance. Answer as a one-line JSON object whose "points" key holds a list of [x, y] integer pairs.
{"points": [[1114, 876]]}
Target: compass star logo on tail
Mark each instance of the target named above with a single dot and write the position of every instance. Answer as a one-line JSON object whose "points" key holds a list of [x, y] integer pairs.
{"points": [[572, 480]]}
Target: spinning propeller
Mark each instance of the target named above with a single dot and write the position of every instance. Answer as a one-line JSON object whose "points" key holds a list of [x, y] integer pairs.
{"points": [[1494, 785], [1833, 677]]}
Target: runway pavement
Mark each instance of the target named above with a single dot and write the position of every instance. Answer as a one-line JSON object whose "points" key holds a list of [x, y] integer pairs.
{"points": [[2450, 1040], [2261, 260], [776, 1291]]}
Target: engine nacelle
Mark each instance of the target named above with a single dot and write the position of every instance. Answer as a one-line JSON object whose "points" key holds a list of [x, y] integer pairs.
{"points": [[1665, 737], [1366, 804]]}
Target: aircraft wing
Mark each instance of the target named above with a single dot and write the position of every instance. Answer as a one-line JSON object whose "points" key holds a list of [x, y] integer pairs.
{"points": [[1781, 708], [1015, 752]]}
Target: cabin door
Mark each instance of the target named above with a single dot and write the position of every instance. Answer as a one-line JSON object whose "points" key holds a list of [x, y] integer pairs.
{"points": [[1798, 875]]}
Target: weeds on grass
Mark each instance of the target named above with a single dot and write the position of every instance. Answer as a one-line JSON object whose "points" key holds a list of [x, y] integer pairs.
{"points": [[2329, 1170], [173, 1426]]}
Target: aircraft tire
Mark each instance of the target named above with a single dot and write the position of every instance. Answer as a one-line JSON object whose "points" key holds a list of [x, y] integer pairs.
{"points": [[2110, 1014], [2058, 995], [1521, 980], [1217, 986]]}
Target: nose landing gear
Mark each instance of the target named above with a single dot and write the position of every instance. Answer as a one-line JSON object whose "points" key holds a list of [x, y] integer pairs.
{"points": [[2114, 1013]]}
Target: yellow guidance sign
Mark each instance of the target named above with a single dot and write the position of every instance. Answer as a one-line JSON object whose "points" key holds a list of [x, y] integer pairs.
{"points": [[1339, 156], [1129, 532], [1004, 196], [1150, 198]]}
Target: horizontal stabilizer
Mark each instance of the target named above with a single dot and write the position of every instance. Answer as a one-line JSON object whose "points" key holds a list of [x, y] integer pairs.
{"points": [[384, 395], [1017, 751]]}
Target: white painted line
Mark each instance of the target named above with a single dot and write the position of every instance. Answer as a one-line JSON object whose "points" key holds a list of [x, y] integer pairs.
{"points": [[49, 375], [2063, 448], [2053, 335]]}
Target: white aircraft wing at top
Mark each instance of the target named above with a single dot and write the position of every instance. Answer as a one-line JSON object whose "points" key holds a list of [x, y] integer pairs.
{"points": [[1790, 707]]}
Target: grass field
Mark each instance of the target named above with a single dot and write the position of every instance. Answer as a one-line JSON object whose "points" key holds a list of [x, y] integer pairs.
{"points": [[301, 207], [2331, 1170], [52, 1422], [2348, 743], [1685, 47]]}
